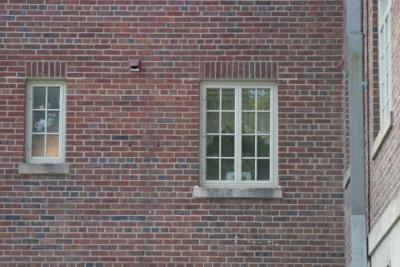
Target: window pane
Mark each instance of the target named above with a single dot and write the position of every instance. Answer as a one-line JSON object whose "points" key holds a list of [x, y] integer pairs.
{"points": [[212, 99], [53, 121], [53, 98], [212, 146], [227, 169], [39, 97], [228, 99], [52, 145], [248, 146], [263, 98], [228, 122], [227, 146], [263, 122], [37, 145], [248, 169], [263, 169], [212, 122], [248, 122], [38, 122], [263, 146], [212, 169], [248, 99]]}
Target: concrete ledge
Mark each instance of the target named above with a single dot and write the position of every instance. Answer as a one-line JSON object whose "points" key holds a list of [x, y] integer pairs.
{"points": [[215, 192], [382, 135], [383, 226], [46, 168]]}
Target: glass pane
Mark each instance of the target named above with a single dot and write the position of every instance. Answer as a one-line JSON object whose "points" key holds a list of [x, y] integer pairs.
{"points": [[263, 98], [38, 122], [248, 146], [53, 98], [248, 169], [52, 145], [212, 169], [212, 122], [53, 121], [37, 145], [228, 122], [212, 146], [263, 122], [248, 122], [248, 99], [39, 97], [263, 146], [228, 99], [227, 146], [212, 99], [263, 169], [227, 169]]}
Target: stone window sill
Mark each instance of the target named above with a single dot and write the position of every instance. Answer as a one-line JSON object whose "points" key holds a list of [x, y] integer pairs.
{"points": [[380, 138], [43, 168], [215, 192]]}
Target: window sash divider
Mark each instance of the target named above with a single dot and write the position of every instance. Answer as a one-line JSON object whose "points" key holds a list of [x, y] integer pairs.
{"points": [[60, 133], [237, 134]]}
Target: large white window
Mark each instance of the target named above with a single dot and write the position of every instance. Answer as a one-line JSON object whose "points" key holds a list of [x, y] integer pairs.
{"points": [[45, 127], [238, 143], [385, 63]]}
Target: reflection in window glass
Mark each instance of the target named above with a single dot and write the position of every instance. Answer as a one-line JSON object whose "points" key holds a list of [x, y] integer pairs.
{"points": [[39, 97], [45, 126], [248, 171], [53, 121], [212, 99], [228, 99], [212, 122], [248, 99], [53, 98], [52, 145], [212, 169], [38, 145], [238, 138], [38, 122]]}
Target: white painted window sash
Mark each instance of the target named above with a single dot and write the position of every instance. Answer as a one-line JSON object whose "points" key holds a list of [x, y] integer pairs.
{"points": [[237, 182], [385, 63], [29, 118]]}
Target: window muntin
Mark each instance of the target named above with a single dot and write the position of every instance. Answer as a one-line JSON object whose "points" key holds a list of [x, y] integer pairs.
{"points": [[238, 144], [45, 122], [385, 63]]}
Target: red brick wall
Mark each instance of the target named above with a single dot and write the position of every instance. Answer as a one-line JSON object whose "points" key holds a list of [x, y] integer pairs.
{"points": [[384, 169], [132, 138]]}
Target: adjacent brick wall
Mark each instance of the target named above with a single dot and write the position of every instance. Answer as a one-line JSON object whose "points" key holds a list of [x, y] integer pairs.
{"points": [[132, 138], [384, 169], [382, 177]]}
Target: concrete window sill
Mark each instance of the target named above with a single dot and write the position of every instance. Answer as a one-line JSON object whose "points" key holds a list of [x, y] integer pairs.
{"points": [[381, 137], [215, 192], [43, 168]]}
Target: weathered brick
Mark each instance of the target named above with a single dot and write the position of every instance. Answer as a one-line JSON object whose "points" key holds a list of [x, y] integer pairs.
{"points": [[132, 138]]}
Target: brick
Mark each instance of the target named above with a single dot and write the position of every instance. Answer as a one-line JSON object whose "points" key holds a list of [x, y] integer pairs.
{"points": [[132, 137]]}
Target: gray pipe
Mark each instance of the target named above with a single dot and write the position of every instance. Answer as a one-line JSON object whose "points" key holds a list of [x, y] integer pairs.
{"points": [[354, 65]]}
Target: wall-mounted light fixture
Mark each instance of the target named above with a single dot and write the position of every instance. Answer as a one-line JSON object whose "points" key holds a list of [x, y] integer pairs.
{"points": [[134, 65]]}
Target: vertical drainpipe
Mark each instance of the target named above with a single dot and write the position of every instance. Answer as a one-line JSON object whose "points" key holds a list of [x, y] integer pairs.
{"points": [[354, 63]]}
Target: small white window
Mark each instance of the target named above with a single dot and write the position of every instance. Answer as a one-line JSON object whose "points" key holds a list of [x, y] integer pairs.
{"points": [[385, 63], [45, 128], [238, 144]]}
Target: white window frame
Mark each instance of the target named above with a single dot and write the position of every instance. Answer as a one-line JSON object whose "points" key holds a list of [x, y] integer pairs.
{"points": [[273, 182], [62, 121], [385, 64]]}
